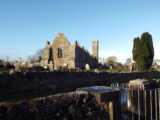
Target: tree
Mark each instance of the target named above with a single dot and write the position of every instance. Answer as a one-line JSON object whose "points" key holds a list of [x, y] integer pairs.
{"points": [[37, 56], [1, 62], [112, 61], [136, 46], [128, 62], [101, 60], [156, 62], [143, 52]]}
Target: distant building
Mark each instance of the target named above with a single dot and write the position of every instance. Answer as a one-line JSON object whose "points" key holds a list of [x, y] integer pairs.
{"points": [[63, 54]]}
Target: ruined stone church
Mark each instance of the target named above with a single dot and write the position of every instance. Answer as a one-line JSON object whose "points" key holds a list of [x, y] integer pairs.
{"points": [[61, 53]]}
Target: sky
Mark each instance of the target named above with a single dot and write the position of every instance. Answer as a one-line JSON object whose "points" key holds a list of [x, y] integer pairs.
{"points": [[26, 25]]}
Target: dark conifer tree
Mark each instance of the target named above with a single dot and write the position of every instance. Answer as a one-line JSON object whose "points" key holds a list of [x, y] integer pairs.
{"points": [[143, 52], [135, 50]]}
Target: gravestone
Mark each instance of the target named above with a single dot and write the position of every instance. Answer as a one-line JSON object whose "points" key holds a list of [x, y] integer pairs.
{"points": [[87, 67]]}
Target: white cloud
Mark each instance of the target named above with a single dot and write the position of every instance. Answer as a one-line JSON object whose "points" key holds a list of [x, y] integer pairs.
{"points": [[157, 50], [121, 55]]}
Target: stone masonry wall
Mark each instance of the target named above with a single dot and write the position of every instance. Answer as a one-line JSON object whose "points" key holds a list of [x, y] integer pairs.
{"points": [[57, 107], [20, 83], [83, 57], [62, 53]]}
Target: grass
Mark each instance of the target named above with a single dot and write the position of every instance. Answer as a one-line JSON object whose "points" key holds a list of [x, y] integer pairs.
{"points": [[29, 97], [4, 71], [113, 70]]}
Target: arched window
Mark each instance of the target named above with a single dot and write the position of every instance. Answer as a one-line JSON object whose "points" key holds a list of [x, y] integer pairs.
{"points": [[59, 52]]}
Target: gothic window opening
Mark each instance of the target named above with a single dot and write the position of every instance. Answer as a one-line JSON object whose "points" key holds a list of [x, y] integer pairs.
{"points": [[59, 52]]}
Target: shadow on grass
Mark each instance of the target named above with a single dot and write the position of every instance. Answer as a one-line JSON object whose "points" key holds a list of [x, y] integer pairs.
{"points": [[30, 97]]}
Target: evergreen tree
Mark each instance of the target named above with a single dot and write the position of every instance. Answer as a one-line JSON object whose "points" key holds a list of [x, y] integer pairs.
{"points": [[143, 51], [135, 51]]}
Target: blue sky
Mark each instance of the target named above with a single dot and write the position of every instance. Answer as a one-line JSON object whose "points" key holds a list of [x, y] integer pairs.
{"points": [[26, 25]]}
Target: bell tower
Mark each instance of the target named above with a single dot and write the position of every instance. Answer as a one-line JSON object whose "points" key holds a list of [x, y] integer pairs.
{"points": [[95, 47]]}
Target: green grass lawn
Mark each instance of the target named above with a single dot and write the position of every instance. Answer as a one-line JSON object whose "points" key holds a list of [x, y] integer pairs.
{"points": [[112, 71], [30, 97], [4, 71]]}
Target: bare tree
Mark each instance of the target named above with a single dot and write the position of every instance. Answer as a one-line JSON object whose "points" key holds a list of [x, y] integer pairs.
{"points": [[101, 60], [128, 62], [37, 56], [156, 62], [1, 62], [112, 61]]}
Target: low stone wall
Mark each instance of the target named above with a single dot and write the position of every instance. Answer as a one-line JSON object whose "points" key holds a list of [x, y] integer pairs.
{"points": [[20, 83], [58, 107]]}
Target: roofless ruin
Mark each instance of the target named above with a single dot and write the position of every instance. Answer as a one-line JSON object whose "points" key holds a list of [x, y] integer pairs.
{"points": [[63, 54]]}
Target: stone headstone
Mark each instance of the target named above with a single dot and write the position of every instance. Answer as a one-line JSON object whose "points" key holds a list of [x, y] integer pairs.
{"points": [[131, 68], [110, 67], [51, 66], [87, 67], [65, 65], [96, 70], [17, 67]]}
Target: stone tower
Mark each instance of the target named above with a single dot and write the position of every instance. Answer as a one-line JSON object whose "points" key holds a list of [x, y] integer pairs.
{"points": [[95, 47]]}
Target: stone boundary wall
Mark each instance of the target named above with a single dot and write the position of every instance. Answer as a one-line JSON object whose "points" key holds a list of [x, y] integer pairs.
{"points": [[24, 83], [69, 106]]}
